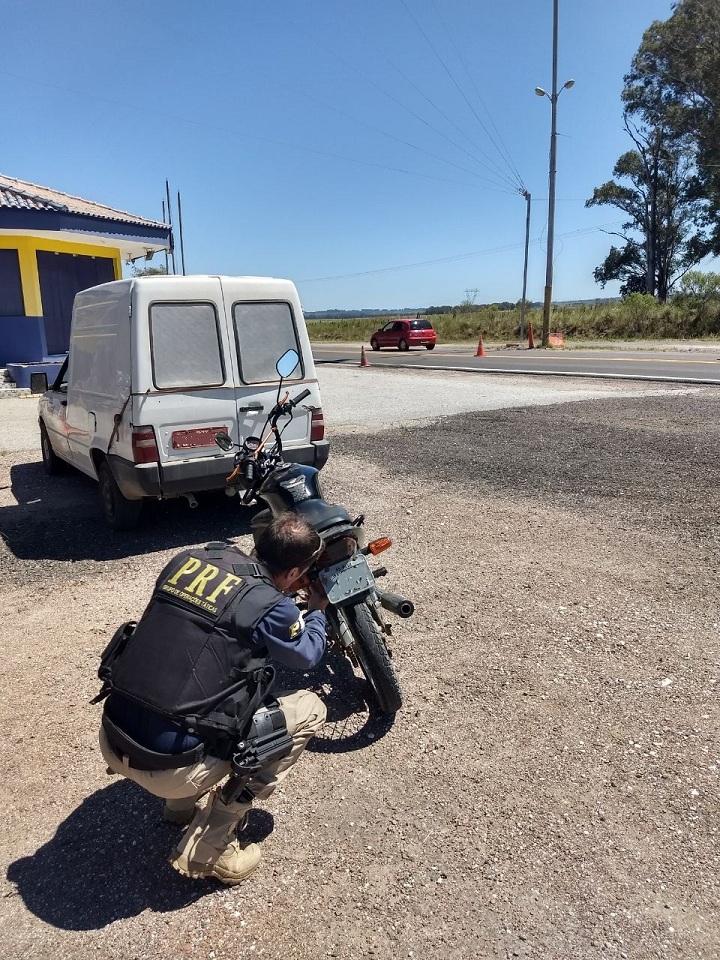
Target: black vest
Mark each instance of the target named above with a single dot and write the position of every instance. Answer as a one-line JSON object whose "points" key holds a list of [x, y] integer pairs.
{"points": [[190, 657]]}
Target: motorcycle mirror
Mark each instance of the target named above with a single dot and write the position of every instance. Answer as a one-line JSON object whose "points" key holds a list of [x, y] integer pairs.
{"points": [[223, 441], [287, 363]]}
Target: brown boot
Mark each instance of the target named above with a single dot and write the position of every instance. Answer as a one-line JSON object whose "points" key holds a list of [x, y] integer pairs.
{"points": [[210, 848]]}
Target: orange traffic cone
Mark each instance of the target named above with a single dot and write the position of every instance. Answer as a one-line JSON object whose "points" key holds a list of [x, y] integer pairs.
{"points": [[531, 338], [481, 347], [364, 362]]}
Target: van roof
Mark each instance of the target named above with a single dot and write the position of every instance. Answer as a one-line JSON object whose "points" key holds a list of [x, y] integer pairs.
{"points": [[196, 276], [178, 278]]}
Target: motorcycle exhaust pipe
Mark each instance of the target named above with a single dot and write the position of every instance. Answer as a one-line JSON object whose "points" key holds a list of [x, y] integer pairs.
{"points": [[396, 604]]}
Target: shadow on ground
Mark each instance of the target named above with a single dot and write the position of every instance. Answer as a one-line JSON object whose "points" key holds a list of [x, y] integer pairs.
{"points": [[107, 861], [353, 721], [60, 518]]}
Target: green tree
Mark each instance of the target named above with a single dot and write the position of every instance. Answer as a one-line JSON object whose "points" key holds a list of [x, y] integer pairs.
{"points": [[675, 81], [658, 193], [696, 285], [148, 271]]}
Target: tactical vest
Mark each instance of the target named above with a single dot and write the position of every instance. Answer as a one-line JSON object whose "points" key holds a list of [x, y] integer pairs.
{"points": [[190, 657]]}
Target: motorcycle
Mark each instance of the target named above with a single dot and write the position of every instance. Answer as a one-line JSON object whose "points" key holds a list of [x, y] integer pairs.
{"points": [[357, 627]]}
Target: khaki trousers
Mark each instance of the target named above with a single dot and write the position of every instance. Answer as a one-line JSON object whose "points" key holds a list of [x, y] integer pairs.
{"points": [[304, 715]]}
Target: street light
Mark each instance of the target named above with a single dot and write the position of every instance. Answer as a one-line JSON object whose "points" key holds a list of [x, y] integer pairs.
{"points": [[553, 98]]}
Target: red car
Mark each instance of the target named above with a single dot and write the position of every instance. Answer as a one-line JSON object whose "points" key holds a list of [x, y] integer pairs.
{"points": [[403, 334]]}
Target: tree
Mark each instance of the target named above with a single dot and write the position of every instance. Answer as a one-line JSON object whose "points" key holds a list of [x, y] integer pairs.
{"points": [[675, 81], [626, 265], [700, 286], [660, 197], [148, 271]]}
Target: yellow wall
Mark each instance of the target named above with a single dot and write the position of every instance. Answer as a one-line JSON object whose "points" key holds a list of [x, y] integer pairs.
{"points": [[27, 248]]}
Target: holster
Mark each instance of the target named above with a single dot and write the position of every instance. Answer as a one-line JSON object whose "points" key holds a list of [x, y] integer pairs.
{"points": [[268, 740]]}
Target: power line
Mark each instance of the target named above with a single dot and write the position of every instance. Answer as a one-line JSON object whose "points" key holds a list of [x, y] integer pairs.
{"points": [[462, 256], [501, 187], [504, 152], [237, 133], [429, 100], [457, 86], [495, 170]]}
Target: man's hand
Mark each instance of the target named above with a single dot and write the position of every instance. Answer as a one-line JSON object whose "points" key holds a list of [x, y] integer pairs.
{"points": [[316, 598]]}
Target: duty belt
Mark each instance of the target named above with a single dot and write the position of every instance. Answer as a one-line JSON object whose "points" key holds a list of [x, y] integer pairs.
{"points": [[141, 758]]}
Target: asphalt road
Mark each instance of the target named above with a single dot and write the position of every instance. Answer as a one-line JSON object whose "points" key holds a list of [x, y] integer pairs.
{"points": [[682, 367]]}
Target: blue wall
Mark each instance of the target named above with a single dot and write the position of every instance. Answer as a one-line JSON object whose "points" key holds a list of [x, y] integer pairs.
{"points": [[21, 339]]}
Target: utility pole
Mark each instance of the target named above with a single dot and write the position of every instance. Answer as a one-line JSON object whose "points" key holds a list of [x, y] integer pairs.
{"points": [[553, 98], [164, 214], [172, 241], [547, 303], [523, 304], [180, 228]]}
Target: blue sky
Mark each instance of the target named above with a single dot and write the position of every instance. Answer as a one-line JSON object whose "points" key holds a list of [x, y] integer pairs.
{"points": [[370, 152]]}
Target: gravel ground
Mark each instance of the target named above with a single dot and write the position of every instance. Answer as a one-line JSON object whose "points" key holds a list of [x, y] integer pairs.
{"points": [[551, 787]]}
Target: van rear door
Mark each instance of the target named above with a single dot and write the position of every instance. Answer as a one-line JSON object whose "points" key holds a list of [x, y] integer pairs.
{"points": [[265, 322], [187, 388]]}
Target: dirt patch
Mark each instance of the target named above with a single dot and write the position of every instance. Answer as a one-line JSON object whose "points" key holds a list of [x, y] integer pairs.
{"points": [[551, 787]]}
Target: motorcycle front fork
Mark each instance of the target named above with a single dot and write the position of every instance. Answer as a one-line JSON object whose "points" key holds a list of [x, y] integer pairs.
{"points": [[341, 634]]}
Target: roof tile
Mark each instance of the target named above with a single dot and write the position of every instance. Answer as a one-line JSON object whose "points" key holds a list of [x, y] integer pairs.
{"points": [[21, 195]]}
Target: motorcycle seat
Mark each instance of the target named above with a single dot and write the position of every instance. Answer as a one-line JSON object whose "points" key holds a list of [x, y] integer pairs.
{"points": [[322, 514]]}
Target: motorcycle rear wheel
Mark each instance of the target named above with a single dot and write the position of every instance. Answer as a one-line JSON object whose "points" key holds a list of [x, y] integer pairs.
{"points": [[373, 658]]}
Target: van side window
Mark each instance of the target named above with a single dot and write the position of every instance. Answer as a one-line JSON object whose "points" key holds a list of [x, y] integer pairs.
{"points": [[264, 331], [185, 343]]}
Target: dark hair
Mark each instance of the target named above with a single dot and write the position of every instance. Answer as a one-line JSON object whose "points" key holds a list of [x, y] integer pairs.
{"points": [[288, 541]]}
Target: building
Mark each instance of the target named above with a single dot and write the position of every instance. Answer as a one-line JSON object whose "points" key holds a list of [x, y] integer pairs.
{"points": [[52, 245]]}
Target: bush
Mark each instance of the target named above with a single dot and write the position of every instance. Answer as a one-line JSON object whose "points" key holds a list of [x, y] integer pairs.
{"points": [[639, 316]]}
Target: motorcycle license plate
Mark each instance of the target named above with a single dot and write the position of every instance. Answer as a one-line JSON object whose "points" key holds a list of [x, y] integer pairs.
{"points": [[346, 580]]}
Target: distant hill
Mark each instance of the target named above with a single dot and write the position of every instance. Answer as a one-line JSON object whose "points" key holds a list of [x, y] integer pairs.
{"points": [[414, 311], [351, 314], [596, 302]]}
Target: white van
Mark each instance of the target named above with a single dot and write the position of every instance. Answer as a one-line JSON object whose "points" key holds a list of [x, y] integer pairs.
{"points": [[156, 367]]}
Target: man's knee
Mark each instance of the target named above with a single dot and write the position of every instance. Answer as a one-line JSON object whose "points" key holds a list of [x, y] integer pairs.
{"points": [[304, 711]]}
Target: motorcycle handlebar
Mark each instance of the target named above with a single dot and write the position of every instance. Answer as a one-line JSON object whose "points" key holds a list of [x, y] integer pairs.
{"points": [[287, 406]]}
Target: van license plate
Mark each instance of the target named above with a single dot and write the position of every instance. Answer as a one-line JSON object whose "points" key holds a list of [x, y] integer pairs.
{"points": [[202, 437]]}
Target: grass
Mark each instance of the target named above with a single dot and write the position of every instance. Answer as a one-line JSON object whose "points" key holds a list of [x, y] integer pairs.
{"points": [[638, 317]]}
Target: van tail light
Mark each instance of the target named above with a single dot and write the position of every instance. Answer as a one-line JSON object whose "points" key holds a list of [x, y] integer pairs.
{"points": [[144, 445], [317, 425]]}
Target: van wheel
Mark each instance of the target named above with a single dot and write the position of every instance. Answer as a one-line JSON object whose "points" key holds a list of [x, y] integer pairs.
{"points": [[429, 346], [120, 513], [51, 461], [402, 345]]}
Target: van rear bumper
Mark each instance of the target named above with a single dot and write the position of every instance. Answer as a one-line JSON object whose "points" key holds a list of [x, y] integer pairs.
{"points": [[137, 480]]}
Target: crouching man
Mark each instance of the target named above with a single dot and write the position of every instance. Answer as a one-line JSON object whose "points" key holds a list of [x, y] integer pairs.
{"points": [[192, 680]]}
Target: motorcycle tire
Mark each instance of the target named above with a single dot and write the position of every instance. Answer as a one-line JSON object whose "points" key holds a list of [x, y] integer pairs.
{"points": [[374, 659]]}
